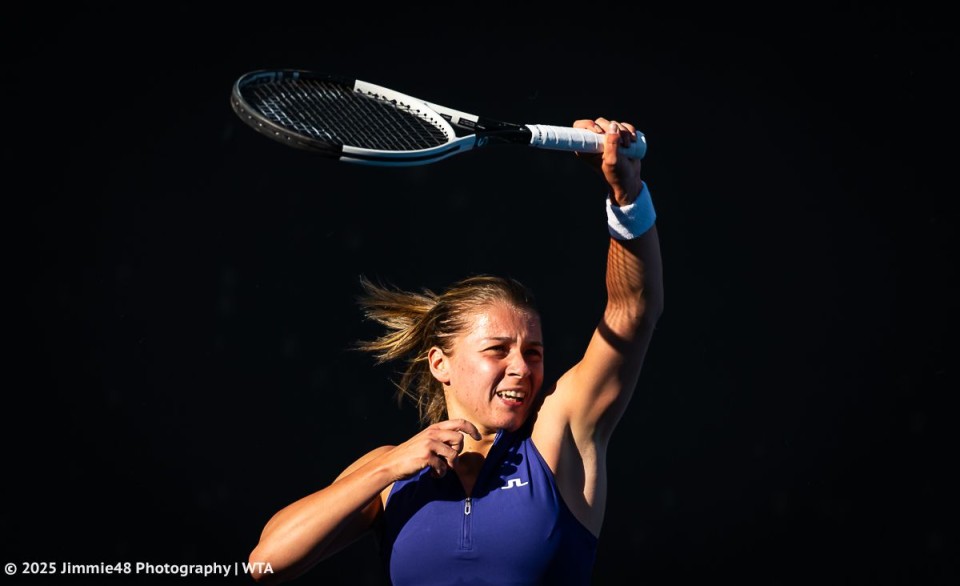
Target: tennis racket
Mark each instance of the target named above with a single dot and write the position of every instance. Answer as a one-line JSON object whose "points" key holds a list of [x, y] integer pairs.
{"points": [[360, 122]]}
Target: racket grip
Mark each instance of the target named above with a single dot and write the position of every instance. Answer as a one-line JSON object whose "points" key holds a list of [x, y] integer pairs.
{"points": [[565, 138]]}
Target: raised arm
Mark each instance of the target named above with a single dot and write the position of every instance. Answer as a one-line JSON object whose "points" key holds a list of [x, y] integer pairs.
{"points": [[578, 417], [602, 383]]}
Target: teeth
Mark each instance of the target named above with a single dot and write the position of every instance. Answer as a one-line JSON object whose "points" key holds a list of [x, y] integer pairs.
{"points": [[515, 395]]}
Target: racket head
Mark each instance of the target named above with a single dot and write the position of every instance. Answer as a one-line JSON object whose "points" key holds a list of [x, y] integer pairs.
{"points": [[343, 118]]}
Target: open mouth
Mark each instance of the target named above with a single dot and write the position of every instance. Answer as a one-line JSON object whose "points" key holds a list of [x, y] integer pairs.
{"points": [[513, 397]]}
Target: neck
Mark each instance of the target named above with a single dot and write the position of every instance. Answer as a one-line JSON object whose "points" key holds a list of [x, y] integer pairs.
{"points": [[481, 447], [471, 459]]}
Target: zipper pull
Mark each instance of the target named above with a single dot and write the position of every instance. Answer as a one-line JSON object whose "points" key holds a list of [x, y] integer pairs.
{"points": [[466, 506]]}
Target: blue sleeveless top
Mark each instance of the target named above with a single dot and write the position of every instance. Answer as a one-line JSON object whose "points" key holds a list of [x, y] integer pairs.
{"points": [[513, 530]]}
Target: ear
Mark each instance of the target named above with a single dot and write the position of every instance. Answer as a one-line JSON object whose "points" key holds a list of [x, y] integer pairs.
{"points": [[439, 365]]}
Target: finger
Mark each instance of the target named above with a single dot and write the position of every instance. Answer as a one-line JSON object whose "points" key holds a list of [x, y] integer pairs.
{"points": [[449, 436], [454, 439], [459, 443], [444, 450], [611, 144], [461, 425], [589, 125], [624, 135], [631, 129], [438, 467]]}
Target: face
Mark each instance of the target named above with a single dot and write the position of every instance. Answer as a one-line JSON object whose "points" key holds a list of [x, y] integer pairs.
{"points": [[494, 370]]}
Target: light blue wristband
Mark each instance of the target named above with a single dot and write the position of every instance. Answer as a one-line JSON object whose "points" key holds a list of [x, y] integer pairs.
{"points": [[630, 221]]}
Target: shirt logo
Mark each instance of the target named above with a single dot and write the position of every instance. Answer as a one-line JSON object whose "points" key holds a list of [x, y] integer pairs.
{"points": [[513, 482]]}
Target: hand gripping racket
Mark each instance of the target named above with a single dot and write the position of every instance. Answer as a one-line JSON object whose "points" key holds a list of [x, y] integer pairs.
{"points": [[360, 122]]}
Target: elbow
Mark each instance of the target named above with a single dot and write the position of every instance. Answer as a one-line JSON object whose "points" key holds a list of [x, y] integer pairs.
{"points": [[628, 320], [647, 312], [652, 304], [260, 568], [652, 310]]}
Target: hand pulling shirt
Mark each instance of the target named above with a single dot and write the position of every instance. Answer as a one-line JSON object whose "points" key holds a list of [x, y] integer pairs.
{"points": [[513, 530]]}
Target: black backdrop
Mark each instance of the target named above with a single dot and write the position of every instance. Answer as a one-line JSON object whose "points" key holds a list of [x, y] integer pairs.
{"points": [[183, 289]]}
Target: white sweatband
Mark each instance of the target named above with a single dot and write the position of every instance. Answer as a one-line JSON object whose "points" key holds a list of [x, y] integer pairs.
{"points": [[630, 221]]}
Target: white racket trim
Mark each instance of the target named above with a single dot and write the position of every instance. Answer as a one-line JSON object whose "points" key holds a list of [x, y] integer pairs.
{"points": [[407, 158], [454, 145]]}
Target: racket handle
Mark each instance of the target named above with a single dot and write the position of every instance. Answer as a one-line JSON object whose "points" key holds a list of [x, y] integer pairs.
{"points": [[565, 138]]}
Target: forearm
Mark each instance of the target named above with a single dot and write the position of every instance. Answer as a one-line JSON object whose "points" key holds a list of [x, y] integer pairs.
{"points": [[317, 525], [605, 379], [634, 285]]}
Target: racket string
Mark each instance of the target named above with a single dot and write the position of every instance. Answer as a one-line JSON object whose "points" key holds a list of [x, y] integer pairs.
{"points": [[332, 113]]}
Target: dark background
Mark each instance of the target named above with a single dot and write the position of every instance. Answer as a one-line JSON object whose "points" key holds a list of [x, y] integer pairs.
{"points": [[178, 363]]}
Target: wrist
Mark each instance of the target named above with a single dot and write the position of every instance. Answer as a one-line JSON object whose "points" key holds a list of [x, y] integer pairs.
{"points": [[631, 221]]}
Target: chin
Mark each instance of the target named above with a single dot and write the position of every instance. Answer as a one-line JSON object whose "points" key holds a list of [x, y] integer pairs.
{"points": [[511, 423]]}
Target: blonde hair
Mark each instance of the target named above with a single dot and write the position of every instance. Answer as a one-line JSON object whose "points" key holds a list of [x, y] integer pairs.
{"points": [[416, 322]]}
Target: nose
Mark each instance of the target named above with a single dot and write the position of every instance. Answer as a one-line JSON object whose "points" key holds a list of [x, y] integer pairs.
{"points": [[518, 366]]}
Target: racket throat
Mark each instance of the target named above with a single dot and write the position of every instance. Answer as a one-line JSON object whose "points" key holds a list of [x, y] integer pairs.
{"points": [[491, 131]]}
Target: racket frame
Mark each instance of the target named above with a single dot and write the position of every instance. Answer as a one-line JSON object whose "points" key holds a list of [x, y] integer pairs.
{"points": [[464, 131]]}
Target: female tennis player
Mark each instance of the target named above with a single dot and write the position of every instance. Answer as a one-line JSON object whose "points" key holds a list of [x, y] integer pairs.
{"points": [[507, 481]]}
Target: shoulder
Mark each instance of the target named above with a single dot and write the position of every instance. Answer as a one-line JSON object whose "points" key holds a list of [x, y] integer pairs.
{"points": [[549, 426]]}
